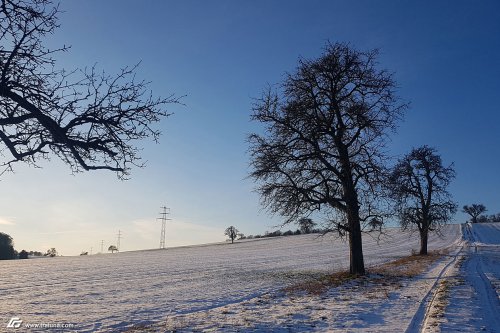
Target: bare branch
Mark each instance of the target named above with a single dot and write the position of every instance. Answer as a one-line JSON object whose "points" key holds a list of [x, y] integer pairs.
{"points": [[90, 120]]}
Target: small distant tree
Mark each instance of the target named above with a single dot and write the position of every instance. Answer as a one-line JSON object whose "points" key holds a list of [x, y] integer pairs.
{"points": [[474, 211], [232, 233], [418, 184], [51, 252], [375, 224], [112, 248], [306, 225], [23, 254], [6, 247]]}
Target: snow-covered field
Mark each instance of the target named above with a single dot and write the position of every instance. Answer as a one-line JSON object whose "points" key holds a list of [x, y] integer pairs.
{"points": [[116, 291]]}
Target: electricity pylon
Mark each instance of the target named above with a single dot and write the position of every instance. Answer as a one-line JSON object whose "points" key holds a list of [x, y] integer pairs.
{"points": [[163, 218], [118, 240]]}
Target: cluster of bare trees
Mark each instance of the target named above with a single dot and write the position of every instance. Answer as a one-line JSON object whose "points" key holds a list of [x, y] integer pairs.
{"points": [[323, 151], [476, 212]]}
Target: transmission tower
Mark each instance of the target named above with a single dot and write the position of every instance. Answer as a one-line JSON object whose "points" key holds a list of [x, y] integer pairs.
{"points": [[163, 218], [118, 240]]}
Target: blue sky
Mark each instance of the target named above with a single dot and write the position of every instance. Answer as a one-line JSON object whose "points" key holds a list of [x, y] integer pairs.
{"points": [[445, 56]]}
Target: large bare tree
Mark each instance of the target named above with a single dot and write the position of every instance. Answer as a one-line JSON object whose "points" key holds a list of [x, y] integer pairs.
{"points": [[87, 118], [419, 184], [322, 146]]}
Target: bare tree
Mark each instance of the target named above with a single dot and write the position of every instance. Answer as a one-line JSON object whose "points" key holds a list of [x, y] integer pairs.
{"points": [[232, 233], [52, 252], [322, 147], [418, 184], [306, 225], [87, 118], [474, 211], [375, 224]]}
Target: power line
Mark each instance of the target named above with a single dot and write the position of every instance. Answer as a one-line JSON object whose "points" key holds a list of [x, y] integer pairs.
{"points": [[163, 218], [102, 246]]}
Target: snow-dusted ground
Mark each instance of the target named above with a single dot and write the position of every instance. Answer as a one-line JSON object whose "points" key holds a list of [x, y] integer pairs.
{"points": [[116, 291], [473, 303]]}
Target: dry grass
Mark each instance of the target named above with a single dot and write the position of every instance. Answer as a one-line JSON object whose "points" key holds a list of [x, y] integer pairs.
{"points": [[321, 284], [408, 267], [387, 274]]}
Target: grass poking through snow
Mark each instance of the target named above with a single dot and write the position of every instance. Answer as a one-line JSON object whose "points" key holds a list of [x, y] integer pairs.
{"points": [[390, 272]]}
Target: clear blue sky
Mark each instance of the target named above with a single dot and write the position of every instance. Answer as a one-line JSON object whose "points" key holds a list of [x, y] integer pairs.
{"points": [[221, 54]]}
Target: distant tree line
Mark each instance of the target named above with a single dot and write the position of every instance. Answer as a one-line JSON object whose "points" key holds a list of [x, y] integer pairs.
{"points": [[306, 226], [7, 251], [493, 218], [6, 247], [278, 233]]}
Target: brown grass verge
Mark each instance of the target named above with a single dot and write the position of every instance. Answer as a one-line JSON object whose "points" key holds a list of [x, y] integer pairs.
{"points": [[408, 267], [319, 285], [401, 268]]}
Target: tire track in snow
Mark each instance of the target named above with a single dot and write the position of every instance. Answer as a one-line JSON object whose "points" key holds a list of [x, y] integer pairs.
{"points": [[421, 316], [485, 288], [475, 268]]}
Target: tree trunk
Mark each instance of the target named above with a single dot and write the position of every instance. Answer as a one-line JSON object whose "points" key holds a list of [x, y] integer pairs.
{"points": [[424, 235], [357, 264]]}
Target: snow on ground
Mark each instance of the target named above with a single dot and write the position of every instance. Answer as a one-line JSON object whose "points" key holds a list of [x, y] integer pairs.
{"points": [[363, 305], [117, 291], [473, 303], [458, 293]]}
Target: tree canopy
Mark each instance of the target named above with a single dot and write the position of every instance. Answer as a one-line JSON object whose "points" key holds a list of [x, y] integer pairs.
{"points": [[306, 225], [419, 185], [6, 247], [321, 149], [231, 232], [474, 210]]}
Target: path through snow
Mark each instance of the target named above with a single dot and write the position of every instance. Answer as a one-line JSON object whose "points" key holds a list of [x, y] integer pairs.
{"points": [[474, 298]]}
